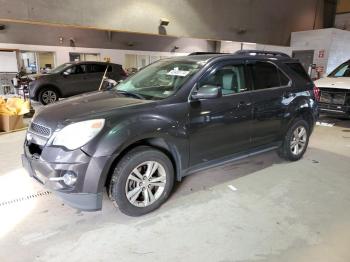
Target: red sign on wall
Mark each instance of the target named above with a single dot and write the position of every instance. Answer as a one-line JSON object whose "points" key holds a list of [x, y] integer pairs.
{"points": [[321, 53]]}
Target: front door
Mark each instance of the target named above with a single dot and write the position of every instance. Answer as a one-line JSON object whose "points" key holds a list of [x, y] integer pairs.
{"points": [[269, 88], [72, 82], [220, 126]]}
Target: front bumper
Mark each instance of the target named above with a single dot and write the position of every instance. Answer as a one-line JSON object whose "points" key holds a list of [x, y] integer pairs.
{"points": [[332, 109], [53, 163]]}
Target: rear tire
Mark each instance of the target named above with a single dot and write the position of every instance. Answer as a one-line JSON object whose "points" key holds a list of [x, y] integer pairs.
{"points": [[295, 141], [47, 96], [142, 181]]}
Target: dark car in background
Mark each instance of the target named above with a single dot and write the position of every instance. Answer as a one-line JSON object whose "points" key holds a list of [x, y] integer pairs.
{"points": [[71, 79], [171, 119]]}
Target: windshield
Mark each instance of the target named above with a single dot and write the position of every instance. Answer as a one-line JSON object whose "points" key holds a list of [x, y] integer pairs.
{"points": [[160, 79], [60, 68], [341, 71]]}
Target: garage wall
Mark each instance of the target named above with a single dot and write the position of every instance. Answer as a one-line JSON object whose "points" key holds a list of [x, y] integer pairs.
{"points": [[263, 21], [340, 49], [342, 21], [231, 47], [62, 53], [29, 34], [318, 41], [334, 43]]}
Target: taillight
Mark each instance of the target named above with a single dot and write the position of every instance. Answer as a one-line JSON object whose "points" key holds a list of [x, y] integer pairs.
{"points": [[317, 93]]}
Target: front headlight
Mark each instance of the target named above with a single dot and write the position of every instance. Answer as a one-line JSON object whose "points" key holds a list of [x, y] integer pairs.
{"points": [[78, 134]]}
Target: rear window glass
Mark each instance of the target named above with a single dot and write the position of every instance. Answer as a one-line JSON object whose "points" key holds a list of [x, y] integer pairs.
{"points": [[299, 70], [99, 68], [283, 79], [265, 75]]}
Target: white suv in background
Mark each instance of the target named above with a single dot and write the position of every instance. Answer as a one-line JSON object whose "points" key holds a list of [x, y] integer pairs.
{"points": [[335, 91]]}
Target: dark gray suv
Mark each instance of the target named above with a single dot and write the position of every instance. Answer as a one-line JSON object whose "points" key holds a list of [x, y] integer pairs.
{"points": [[171, 119], [72, 79]]}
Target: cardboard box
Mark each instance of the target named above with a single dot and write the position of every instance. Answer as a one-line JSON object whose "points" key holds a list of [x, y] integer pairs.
{"points": [[9, 123]]}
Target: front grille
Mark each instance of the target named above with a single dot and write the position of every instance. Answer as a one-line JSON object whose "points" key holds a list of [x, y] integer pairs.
{"points": [[40, 129], [335, 96]]}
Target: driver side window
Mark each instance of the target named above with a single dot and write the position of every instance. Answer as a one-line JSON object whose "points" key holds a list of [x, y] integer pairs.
{"points": [[77, 69], [229, 78]]}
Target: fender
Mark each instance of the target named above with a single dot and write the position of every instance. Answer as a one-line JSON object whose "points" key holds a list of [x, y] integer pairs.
{"points": [[301, 105], [164, 133], [46, 85]]}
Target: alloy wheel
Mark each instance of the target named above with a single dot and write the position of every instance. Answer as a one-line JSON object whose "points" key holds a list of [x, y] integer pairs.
{"points": [[145, 184], [49, 97], [298, 141]]}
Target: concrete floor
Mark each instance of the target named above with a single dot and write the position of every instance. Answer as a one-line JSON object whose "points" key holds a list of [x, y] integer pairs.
{"points": [[275, 211]]}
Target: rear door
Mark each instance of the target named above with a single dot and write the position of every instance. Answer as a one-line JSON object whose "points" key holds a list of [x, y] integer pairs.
{"points": [[94, 76], [116, 72], [270, 86]]}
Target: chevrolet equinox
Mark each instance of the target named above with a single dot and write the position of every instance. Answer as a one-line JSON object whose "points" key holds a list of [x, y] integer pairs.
{"points": [[171, 119]]}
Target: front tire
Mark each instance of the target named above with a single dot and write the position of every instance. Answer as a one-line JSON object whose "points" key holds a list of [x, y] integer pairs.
{"points": [[47, 96], [142, 181], [296, 141]]}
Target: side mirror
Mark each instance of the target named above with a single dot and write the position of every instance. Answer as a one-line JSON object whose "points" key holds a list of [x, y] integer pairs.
{"points": [[207, 92], [66, 73]]}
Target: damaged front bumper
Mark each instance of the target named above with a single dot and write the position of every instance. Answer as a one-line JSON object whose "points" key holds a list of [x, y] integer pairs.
{"points": [[48, 165]]}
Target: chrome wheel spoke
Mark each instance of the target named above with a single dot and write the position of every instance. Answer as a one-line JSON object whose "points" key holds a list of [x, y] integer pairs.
{"points": [[293, 144], [136, 175], [295, 133], [134, 178], [133, 194], [145, 197], [145, 184], [151, 168], [151, 196], [157, 181]]}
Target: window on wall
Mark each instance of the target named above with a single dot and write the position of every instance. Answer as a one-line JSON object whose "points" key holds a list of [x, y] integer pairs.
{"points": [[77, 57], [135, 62], [36, 62]]}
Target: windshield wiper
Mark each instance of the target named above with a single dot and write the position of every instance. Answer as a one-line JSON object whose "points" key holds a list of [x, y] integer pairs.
{"points": [[131, 94]]}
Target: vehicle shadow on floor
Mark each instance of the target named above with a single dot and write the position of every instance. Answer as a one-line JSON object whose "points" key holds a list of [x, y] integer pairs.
{"points": [[206, 179]]}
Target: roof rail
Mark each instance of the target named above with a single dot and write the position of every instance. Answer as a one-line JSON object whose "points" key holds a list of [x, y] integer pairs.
{"points": [[205, 53], [261, 52]]}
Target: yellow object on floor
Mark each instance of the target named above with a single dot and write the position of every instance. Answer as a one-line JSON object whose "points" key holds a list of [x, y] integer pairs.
{"points": [[11, 113], [14, 106]]}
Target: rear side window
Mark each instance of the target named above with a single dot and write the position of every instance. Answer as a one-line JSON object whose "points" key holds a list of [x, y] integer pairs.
{"points": [[299, 70], [267, 75], [98, 68]]}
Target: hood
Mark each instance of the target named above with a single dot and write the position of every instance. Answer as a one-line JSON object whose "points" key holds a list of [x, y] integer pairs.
{"points": [[84, 107], [33, 77], [334, 82]]}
